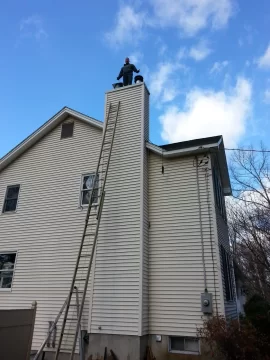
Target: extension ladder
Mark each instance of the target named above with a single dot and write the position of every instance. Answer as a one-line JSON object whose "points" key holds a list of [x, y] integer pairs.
{"points": [[71, 325]]}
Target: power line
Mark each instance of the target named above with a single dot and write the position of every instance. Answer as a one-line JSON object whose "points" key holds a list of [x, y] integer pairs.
{"points": [[251, 150]]}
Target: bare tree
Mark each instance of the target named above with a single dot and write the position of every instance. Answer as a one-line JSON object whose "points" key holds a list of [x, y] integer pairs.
{"points": [[249, 216]]}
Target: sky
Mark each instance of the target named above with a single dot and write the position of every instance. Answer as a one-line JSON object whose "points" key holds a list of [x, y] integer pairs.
{"points": [[205, 62]]}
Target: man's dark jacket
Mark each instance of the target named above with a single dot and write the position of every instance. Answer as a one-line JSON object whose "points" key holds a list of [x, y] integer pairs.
{"points": [[126, 70]]}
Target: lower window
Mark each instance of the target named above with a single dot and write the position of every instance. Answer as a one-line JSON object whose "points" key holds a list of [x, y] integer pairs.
{"points": [[7, 264], [179, 344]]}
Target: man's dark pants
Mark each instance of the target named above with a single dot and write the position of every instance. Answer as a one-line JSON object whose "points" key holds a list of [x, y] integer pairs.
{"points": [[127, 79]]}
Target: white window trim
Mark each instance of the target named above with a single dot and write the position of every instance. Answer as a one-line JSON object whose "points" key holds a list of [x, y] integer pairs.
{"points": [[15, 263], [82, 206], [184, 351], [14, 211]]}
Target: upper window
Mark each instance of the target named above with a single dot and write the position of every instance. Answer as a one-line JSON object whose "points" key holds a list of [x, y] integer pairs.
{"points": [[7, 263], [227, 274], [87, 185], [219, 197], [181, 344], [67, 130], [11, 199]]}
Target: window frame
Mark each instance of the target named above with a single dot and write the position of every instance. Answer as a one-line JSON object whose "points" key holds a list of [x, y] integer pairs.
{"points": [[5, 199], [81, 205], [227, 275], [13, 270], [170, 350], [67, 123]]}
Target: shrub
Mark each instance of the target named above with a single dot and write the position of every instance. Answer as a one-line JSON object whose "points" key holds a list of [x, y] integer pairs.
{"points": [[234, 341]]}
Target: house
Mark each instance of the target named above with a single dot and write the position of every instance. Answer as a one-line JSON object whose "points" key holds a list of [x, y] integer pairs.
{"points": [[163, 237]]}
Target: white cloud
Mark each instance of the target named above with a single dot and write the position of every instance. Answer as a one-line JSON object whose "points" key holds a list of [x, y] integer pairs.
{"points": [[191, 16], [161, 84], [33, 27], [128, 26], [267, 96], [182, 53], [207, 113], [218, 67], [136, 57], [200, 51], [264, 60]]}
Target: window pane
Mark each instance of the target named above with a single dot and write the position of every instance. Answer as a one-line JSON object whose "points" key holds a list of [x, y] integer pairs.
{"points": [[85, 197], [191, 345], [7, 261], [12, 192], [10, 205], [6, 279], [177, 343]]}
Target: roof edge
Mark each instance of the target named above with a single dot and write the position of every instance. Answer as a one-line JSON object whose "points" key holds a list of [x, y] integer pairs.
{"points": [[43, 130], [199, 150]]}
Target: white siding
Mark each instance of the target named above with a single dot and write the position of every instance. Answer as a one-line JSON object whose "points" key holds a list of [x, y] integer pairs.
{"points": [[116, 291], [175, 260], [145, 221], [46, 229]]}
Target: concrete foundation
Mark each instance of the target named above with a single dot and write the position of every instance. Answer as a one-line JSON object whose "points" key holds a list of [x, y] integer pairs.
{"points": [[125, 347]]}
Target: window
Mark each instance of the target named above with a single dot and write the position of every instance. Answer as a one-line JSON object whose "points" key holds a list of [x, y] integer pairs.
{"points": [[184, 345], [7, 263], [67, 130], [87, 185], [227, 274], [219, 197], [11, 199]]}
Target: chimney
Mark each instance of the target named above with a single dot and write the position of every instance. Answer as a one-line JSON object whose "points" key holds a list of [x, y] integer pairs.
{"points": [[122, 257]]}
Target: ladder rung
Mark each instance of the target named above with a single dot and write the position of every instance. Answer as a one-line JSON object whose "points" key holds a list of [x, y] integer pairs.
{"points": [[82, 279], [71, 319], [86, 255], [82, 267]]}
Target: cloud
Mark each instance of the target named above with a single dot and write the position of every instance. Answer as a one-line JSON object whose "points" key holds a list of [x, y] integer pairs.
{"points": [[207, 113], [264, 60], [136, 57], [200, 51], [161, 84], [267, 96], [192, 16], [128, 26], [32, 27], [218, 67]]}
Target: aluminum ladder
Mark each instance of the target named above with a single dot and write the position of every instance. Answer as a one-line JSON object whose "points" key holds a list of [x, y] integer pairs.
{"points": [[72, 320]]}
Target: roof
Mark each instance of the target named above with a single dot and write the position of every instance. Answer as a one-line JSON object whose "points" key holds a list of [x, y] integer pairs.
{"points": [[182, 148], [198, 146], [191, 143], [43, 130]]}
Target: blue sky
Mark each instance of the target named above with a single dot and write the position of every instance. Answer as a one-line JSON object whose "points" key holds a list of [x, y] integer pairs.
{"points": [[206, 63]]}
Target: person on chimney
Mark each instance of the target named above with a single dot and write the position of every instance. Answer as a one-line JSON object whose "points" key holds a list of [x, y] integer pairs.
{"points": [[127, 72]]}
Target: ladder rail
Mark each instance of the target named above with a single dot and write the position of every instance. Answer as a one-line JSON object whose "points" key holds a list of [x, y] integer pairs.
{"points": [[112, 116], [53, 326], [85, 287]]}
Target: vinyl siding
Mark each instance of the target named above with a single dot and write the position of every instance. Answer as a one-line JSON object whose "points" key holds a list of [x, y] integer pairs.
{"points": [[47, 226], [145, 221], [175, 253], [116, 302], [223, 238]]}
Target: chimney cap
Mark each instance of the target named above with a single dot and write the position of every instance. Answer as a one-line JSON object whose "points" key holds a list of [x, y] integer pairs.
{"points": [[117, 85]]}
